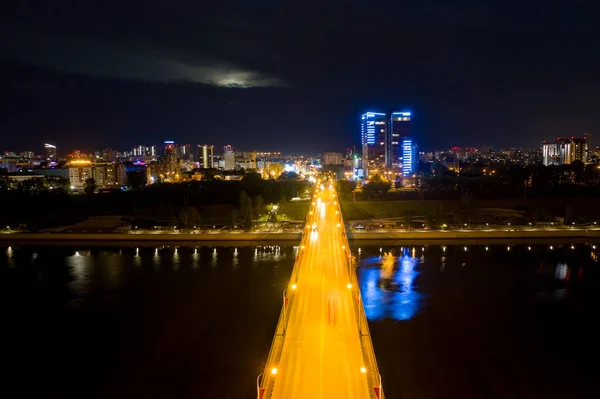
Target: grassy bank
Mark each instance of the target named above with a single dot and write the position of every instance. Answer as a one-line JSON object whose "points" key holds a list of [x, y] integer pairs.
{"points": [[534, 208]]}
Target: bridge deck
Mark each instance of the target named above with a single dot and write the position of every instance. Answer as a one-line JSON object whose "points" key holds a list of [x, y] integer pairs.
{"points": [[323, 350]]}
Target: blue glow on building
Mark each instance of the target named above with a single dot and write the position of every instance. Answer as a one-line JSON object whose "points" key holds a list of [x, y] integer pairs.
{"points": [[408, 160], [368, 132], [401, 113]]}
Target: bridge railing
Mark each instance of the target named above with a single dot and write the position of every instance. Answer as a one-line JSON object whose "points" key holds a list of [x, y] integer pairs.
{"points": [[368, 351], [266, 381]]}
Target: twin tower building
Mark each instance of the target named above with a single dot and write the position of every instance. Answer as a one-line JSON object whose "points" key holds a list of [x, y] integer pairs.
{"points": [[387, 145]]}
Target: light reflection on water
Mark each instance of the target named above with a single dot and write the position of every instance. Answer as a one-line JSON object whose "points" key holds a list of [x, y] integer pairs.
{"points": [[391, 294], [82, 269]]}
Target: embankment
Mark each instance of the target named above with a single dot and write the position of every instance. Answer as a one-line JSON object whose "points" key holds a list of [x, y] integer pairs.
{"points": [[295, 237]]}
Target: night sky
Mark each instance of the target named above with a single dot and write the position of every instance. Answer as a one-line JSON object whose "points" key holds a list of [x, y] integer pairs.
{"points": [[295, 75]]}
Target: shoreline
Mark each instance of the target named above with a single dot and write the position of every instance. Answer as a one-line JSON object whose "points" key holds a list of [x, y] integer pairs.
{"points": [[421, 236]]}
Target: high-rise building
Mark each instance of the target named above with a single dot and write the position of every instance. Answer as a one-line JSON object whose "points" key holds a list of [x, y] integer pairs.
{"points": [[79, 171], [184, 151], [372, 131], [109, 155], [565, 151], [170, 164], [397, 129], [142, 151], [108, 174], [51, 154], [332, 158], [206, 156], [228, 157], [382, 136], [410, 157]]}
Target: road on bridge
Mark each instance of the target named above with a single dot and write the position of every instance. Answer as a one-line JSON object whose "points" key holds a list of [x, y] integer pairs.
{"points": [[322, 354]]}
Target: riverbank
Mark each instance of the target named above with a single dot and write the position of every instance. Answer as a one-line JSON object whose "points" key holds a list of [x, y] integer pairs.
{"points": [[295, 237]]}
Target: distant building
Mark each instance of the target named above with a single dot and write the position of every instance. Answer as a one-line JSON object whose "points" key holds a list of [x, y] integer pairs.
{"points": [[19, 177], [184, 151], [105, 174], [52, 172], [228, 158], [332, 158], [206, 156], [144, 151], [109, 155], [109, 174], [170, 163], [79, 172], [51, 154], [565, 151]]}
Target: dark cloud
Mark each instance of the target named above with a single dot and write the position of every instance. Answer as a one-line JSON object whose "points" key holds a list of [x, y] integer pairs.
{"points": [[496, 72]]}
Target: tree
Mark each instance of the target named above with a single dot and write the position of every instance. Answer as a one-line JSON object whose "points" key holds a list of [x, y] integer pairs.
{"points": [[234, 214], [251, 180], [89, 186], [407, 219], [245, 205], [344, 188], [288, 176], [189, 216], [376, 187], [398, 184], [578, 171], [283, 206], [275, 170], [248, 223], [258, 204], [136, 179], [429, 221], [60, 184]]}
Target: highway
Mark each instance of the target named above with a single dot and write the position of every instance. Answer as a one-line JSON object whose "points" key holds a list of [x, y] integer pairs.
{"points": [[323, 353]]}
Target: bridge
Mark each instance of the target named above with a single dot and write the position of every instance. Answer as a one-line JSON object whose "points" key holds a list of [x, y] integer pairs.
{"points": [[322, 347]]}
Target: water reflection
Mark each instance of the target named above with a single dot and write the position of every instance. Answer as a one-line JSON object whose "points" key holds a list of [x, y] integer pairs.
{"points": [[81, 270], [388, 286], [176, 259], [195, 259], [213, 260]]}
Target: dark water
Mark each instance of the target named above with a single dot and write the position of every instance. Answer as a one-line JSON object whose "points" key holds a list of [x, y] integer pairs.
{"points": [[468, 322]]}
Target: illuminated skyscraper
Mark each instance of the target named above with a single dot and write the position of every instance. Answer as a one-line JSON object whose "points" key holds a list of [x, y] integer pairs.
{"points": [[51, 154], [229, 157], [372, 131], [410, 157], [398, 129], [205, 156], [382, 137]]}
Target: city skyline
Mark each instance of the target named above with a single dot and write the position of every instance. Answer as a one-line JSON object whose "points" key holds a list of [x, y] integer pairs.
{"points": [[486, 74]]}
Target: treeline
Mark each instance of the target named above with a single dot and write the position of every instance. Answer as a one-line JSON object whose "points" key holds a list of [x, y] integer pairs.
{"points": [[575, 180], [215, 201]]}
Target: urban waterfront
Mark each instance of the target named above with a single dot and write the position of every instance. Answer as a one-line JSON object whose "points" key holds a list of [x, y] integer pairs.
{"points": [[477, 321]]}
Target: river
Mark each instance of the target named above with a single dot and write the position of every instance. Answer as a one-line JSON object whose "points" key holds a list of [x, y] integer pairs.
{"points": [[469, 321]]}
